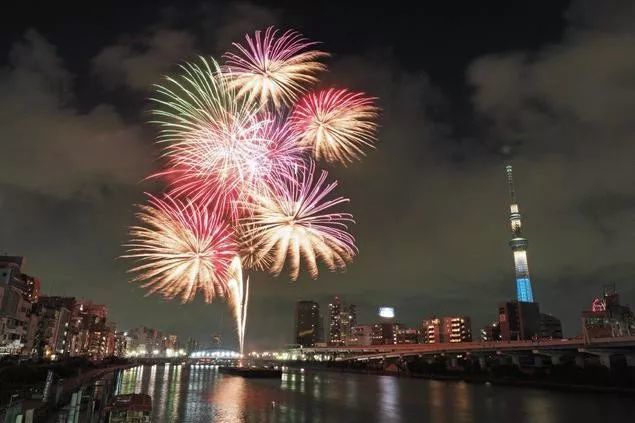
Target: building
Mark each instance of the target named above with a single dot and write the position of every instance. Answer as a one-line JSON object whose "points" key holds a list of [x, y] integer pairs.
{"points": [[91, 333], [342, 318], [519, 320], [335, 309], [446, 329], [607, 318], [307, 323], [518, 244], [348, 320], [385, 333], [121, 342], [53, 316], [550, 326], [191, 345], [361, 336], [11, 274], [18, 293], [14, 319], [408, 336], [491, 332]]}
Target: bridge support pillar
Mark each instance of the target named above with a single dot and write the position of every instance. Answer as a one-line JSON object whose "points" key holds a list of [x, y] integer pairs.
{"points": [[515, 360], [503, 359], [605, 360], [579, 360], [452, 362], [482, 362]]}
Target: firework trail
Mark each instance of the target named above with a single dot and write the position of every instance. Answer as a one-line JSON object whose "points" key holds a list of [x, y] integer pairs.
{"points": [[237, 298], [294, 221], [181, 249], [273, 67], [336, 124]]}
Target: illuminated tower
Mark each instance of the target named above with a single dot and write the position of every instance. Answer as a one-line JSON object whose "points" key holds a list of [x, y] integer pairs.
{"points": [[518, 245]]}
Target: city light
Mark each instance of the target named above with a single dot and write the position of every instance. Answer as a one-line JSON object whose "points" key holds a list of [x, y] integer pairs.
{"points": [[387, 312]]}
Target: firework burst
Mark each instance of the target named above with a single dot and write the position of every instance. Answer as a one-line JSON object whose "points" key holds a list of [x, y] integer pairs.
{"points": [[181, 249], [274, 67], [242, 191], [292, 222], [336, 124], [219, 148]]}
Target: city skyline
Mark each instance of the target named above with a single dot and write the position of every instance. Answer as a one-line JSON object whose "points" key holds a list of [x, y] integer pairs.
{"points": [[430, 201]]}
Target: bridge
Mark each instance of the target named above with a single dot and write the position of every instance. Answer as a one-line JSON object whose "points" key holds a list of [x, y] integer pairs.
{"points": [[557, 351]]}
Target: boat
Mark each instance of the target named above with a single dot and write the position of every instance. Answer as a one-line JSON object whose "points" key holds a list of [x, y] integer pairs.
{"points": [[130, 408], [253, 372]]}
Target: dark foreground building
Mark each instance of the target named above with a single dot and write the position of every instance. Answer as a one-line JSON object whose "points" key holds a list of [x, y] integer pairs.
{"points": [[307, 323]]}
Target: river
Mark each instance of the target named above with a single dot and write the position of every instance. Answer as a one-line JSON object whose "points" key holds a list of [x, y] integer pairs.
{"points": [[201, 394]]}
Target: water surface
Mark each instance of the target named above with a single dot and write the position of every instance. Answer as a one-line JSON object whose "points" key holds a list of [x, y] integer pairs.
{"points": [[201, 394]]}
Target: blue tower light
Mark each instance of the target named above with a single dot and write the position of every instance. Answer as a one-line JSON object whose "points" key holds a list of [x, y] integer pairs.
{"points": [[518, 245]]}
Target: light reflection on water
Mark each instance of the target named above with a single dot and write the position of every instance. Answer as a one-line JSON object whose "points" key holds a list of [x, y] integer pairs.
{"points": [[202, 394]]}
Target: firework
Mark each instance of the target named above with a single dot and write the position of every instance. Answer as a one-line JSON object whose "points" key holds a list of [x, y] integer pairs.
{"points": [[292, 222], [241, 193], [274, 67], [237, 298], [336, 124], [181, 249], [219, 149]]}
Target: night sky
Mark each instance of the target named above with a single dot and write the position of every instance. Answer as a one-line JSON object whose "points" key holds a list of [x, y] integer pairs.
{"points": [[549, 86]]}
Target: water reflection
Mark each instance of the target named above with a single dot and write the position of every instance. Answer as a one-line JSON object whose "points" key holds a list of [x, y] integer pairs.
{"points": [[388, 403], [202, 394], [229, 399]]}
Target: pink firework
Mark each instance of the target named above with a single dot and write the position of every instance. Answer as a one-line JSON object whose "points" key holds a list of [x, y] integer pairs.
{"points": [[293, 221], [181, 248], [223, 172], [273, 67], [336, 124]]}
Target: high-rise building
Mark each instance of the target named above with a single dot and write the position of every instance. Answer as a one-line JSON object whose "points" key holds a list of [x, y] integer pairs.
{"points": [[518, 245], [519, 320], [307, 323], [348, 320], [550, 326], [342, 318], [446, 329]]}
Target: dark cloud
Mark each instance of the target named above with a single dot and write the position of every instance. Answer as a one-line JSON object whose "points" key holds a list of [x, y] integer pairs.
{"points": [[431, 205], [137, 62], [54, 148]]}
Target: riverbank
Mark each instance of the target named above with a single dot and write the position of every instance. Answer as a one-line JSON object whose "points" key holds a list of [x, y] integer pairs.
{"points": [[43, 389]]}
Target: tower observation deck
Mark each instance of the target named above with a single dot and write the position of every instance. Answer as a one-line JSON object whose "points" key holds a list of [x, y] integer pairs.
{"points": [[518, 244]]}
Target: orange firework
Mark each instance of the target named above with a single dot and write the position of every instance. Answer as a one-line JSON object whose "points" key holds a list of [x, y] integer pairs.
{"points": [[182, 248]]}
